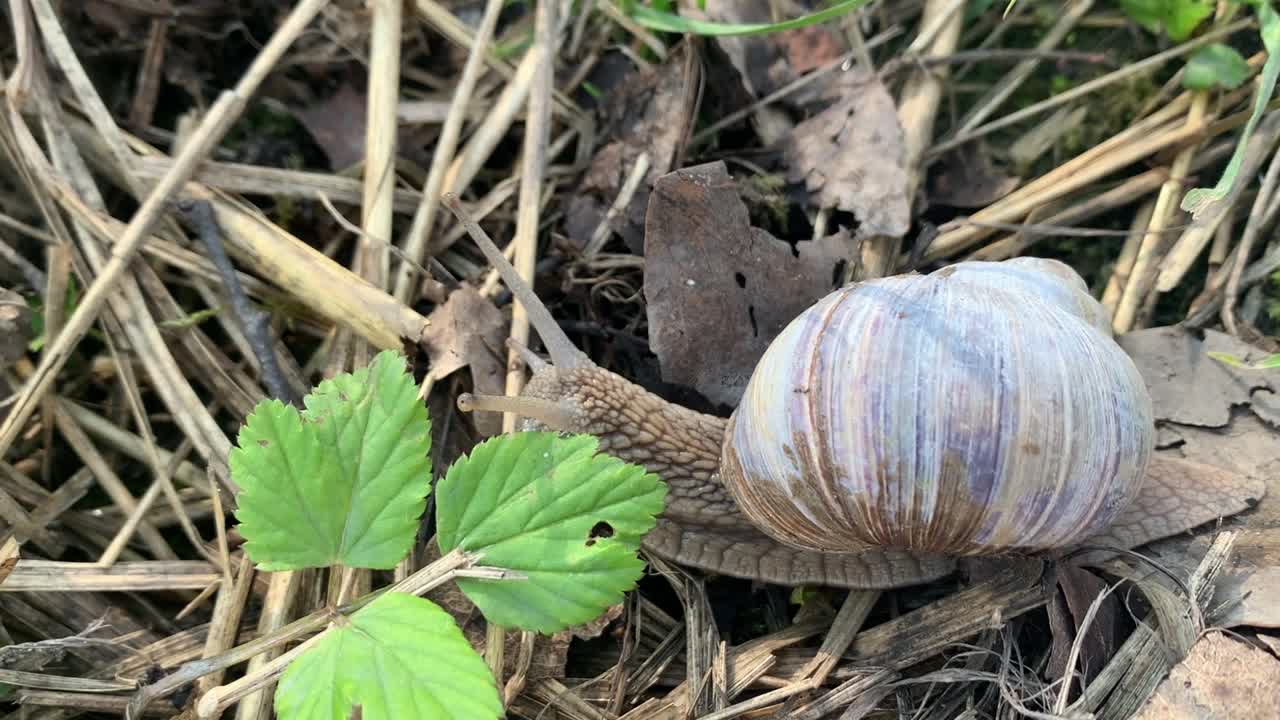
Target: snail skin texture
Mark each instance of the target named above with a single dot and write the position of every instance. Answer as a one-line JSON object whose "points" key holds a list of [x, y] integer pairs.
{"points": [[981, 409]]}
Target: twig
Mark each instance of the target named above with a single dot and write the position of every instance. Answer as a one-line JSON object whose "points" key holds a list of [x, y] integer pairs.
{"points": [[918, 113], [446, 146], [215, 700], [256, 323], [533, 168], [423, 581], [1252, 229], [380, 137], [1086, 88], [1006, 86]]}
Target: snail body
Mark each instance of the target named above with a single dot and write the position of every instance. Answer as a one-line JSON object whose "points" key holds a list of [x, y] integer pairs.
{"points": [[894, 426]]}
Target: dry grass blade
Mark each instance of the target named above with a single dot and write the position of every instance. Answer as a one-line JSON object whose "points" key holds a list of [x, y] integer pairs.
{"points": [[56, 682], [160, 575], [416, 241], [215, 124], [1215, 35]]}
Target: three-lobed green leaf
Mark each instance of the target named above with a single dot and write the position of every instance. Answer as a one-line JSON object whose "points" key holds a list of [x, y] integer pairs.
{"points": [[398, 657], [345, 481], [552, 509]]}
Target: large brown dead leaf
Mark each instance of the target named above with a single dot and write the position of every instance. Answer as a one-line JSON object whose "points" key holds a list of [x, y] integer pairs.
{"points": [[1188, 387], [851, 156], [719, 290], [1221, 679], [1210, 416], [468, 331]]}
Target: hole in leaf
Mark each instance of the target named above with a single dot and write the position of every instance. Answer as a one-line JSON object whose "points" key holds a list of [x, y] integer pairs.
{"points": [[742, 279], [751, 313], [264, 443], [601, 529]]}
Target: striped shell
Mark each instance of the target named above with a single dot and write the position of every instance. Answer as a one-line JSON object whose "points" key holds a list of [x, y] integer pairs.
{"points": [[981, 409]]}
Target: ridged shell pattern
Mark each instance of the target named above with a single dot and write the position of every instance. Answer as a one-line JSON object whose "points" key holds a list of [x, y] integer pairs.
{"points": [[963, 412]]}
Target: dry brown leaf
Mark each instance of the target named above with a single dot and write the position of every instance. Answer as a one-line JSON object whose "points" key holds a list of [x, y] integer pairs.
{"points": [[808, 48], [851, 155], [15, 326], [1221, 679], [768, 62], [468, 331], [1188, 386], [1077, 589], [719, 290], [337, 124], [966, 177], [1218, 416], [648, 112]]}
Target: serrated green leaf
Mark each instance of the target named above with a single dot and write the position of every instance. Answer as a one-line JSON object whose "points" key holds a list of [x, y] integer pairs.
{"points": [[549, 507], [1215, 65], [345, 481], [398, 657]]}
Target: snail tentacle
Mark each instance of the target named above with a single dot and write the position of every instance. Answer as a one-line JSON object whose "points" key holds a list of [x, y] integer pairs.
{"points": [[563, 352]]}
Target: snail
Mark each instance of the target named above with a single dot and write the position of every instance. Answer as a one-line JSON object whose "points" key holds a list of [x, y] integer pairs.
{"points": [[893, 427]]}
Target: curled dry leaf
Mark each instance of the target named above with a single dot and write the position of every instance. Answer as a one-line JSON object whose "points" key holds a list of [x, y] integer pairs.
{"points": [[851, 156], [468, 331], [1220, 678], [1077, 590], [718, 289]]}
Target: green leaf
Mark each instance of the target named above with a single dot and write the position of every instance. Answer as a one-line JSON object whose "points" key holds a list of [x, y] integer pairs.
{"points": [[344, 482], [1198, 200], [1176, 18], [550, 508], [398, 657], [1215, 65], [661, 21]]}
